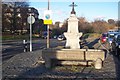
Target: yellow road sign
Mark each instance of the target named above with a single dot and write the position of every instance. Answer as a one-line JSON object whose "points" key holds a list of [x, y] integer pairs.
{"points": [[47, 21], [47, 17]]}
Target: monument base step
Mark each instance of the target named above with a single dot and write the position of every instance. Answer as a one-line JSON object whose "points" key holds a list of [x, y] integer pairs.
{"points": [[73, 57], [75, 63]]}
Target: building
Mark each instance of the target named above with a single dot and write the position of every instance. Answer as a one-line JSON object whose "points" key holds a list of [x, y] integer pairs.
{"points": [[14, 19], [60, 25]]}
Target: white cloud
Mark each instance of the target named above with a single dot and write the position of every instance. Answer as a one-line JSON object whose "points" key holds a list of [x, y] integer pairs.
{"points": [[42, 9], [58, 12], [99, 17]]}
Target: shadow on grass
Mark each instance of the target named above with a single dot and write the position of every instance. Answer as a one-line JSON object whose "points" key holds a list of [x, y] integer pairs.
{"points": [[90, 45]]}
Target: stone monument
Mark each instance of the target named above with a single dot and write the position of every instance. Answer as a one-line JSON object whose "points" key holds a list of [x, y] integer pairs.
{"points": [[72, 35], [74, 55]]}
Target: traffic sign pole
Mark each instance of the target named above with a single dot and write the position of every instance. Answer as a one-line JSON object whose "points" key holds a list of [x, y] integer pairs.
{"points": [[48, 36], [48, 21], [30, 32], [31, 20]]}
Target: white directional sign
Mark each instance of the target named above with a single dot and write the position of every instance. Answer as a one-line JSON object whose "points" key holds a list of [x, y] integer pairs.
{"points": [[31, 19]]}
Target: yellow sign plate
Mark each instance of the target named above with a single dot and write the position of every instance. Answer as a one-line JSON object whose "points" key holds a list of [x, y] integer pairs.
{"points": [[47, 21]]}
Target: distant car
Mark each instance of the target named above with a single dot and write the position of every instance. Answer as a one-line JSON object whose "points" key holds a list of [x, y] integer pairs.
{"points": [[116, 44], [61, 37], [111, 36], [104, 37], [44, 34], [55, 37]]}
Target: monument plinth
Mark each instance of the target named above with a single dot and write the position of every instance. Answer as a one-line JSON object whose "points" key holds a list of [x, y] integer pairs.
{"points": [[72, 35]]}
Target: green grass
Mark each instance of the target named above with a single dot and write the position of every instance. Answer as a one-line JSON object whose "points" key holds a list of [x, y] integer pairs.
{"points": [[17, 37], [14, 37], [0, 37], [93, 35], [86, 35], [21, 37]]}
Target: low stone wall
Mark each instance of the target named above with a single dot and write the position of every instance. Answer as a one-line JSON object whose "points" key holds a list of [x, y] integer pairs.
{"points": [[71, 55]]}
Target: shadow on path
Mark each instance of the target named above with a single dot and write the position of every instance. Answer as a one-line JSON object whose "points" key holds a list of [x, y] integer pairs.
{"points": [[117, 66], [40, 72]]}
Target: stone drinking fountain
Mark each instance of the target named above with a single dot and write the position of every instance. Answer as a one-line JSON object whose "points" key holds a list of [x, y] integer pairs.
{"points": [[72, 35], [72, 54]]}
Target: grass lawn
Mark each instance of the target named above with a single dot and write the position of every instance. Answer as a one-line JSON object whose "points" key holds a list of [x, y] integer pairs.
{"points": [[26, 36], [14, 37], [93, 35]]}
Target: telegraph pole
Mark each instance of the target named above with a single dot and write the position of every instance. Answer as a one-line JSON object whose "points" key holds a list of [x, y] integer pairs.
{"points": [[48, 35]]}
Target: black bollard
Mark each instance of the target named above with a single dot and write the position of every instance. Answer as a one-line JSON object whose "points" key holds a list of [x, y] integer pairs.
{"points": [[25, 45]]}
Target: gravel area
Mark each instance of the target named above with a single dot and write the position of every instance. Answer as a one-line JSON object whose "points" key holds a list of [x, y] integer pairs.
{"points": [[25, 66], [30, 65]]}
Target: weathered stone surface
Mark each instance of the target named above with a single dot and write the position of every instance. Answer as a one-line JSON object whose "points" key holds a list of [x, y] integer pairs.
{"points": [[72, 35], [75, 63], [98, 63], [73, 24], [73, 40], [72, 55], [69, 54]]}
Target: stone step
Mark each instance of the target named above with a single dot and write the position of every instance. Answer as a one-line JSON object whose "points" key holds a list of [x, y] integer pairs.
{"points": [[75, 63]]}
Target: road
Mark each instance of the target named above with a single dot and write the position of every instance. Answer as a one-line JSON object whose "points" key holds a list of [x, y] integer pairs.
{"points": [[12, 48]]}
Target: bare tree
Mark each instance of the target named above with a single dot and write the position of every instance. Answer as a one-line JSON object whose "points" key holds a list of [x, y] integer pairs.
{"points": [[111, 21], [118, 24], [100, 26]]}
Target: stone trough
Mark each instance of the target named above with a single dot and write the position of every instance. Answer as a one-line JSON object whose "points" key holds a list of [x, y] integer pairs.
{"points": [[73, 57]]}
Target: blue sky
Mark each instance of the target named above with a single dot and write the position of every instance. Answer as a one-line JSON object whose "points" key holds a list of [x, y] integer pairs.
{"points": [[89, 10]]}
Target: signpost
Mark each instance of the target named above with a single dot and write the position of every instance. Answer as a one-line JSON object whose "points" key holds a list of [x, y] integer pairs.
{"points": [[47, 17], [48, 21], [31, 20]]}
